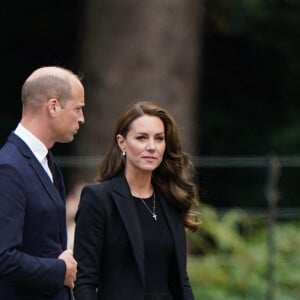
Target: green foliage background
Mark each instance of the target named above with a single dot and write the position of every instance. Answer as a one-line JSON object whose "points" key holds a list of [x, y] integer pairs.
{"points": [[230, 257]]}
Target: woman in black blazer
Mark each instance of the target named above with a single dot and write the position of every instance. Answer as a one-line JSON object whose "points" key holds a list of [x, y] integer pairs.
{"points": [[130, 239]]}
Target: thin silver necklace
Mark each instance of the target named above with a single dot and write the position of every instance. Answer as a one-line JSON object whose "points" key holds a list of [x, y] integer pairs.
{"points": [[152, 212]]}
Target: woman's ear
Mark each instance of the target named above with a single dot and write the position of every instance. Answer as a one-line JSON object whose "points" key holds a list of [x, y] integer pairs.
{"points": [[121, 142]]}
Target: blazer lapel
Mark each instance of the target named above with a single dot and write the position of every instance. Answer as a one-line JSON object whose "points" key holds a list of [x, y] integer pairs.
{"points": [[176, 226], [130, 219]]}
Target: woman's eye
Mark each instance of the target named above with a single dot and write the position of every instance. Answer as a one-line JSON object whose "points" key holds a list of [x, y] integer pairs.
{"points": [[141, 137]]}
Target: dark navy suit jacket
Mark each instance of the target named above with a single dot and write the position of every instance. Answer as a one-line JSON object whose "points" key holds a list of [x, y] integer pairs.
{"points": [[32, 227], [109, 245]]}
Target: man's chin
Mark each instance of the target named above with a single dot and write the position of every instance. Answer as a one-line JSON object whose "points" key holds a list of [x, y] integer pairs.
{"points": [[66, 140]]}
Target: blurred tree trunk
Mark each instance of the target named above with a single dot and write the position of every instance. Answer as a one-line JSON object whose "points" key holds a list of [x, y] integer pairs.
{"points": [[135, 50]]}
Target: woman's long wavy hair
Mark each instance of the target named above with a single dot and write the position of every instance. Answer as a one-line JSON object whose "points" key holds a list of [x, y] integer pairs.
{"points": [[174, 176]]}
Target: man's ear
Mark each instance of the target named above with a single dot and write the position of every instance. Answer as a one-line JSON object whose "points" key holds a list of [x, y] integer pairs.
{"points": [[52, 106]]}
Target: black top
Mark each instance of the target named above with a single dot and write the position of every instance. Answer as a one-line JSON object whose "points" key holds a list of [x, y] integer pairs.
{"points": [[158, 247]]}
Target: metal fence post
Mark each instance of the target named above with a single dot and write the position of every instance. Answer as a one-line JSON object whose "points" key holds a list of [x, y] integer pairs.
{"points": [[272, 196]]}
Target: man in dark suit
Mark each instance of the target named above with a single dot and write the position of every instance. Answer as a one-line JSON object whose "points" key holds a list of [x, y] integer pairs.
{"points": [[34, 262]]}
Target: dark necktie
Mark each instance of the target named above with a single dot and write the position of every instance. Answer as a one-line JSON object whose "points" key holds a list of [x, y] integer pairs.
{"points": [[52, 168]]}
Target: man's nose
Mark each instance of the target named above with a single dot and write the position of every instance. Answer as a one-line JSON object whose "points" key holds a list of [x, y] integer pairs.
{"points": [[81, 118]]}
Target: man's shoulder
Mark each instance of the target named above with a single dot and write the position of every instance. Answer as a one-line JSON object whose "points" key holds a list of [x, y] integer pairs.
{"points": [[9, 153]]}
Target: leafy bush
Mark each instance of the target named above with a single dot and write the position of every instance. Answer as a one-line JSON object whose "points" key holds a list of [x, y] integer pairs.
{"points": [[229, 257]]}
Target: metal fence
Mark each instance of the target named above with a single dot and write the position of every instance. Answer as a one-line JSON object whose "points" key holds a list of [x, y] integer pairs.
{"points": [[199, 161]]}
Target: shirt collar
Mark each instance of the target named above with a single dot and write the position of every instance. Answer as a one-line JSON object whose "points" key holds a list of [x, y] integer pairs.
{"points": [[36, 146]]}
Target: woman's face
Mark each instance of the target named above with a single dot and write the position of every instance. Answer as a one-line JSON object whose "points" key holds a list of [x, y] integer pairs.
{"points": [[144, 144]]}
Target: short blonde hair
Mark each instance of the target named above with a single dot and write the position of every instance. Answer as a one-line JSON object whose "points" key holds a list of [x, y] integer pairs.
{"points": [[46, 83]]}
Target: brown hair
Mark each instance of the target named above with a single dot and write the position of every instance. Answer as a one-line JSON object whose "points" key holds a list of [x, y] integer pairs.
{"points": [[174, 176]]}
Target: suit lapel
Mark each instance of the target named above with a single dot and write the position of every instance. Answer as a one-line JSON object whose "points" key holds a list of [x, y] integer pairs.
{"points": [[127, 210], [54, 194]]}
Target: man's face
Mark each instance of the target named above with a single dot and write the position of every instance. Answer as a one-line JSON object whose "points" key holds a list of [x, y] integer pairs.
{"points": [[70, 116]]}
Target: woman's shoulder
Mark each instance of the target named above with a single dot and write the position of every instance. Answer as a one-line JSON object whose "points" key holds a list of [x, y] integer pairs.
{"points": [[95, 196], [99, 187], [106, 189]]}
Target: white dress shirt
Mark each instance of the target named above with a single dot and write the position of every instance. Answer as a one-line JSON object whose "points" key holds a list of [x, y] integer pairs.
{"points": [[39, 150]]}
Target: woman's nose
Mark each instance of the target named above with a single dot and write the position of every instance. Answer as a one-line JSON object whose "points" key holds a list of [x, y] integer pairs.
{"points": [[151, 144]]}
